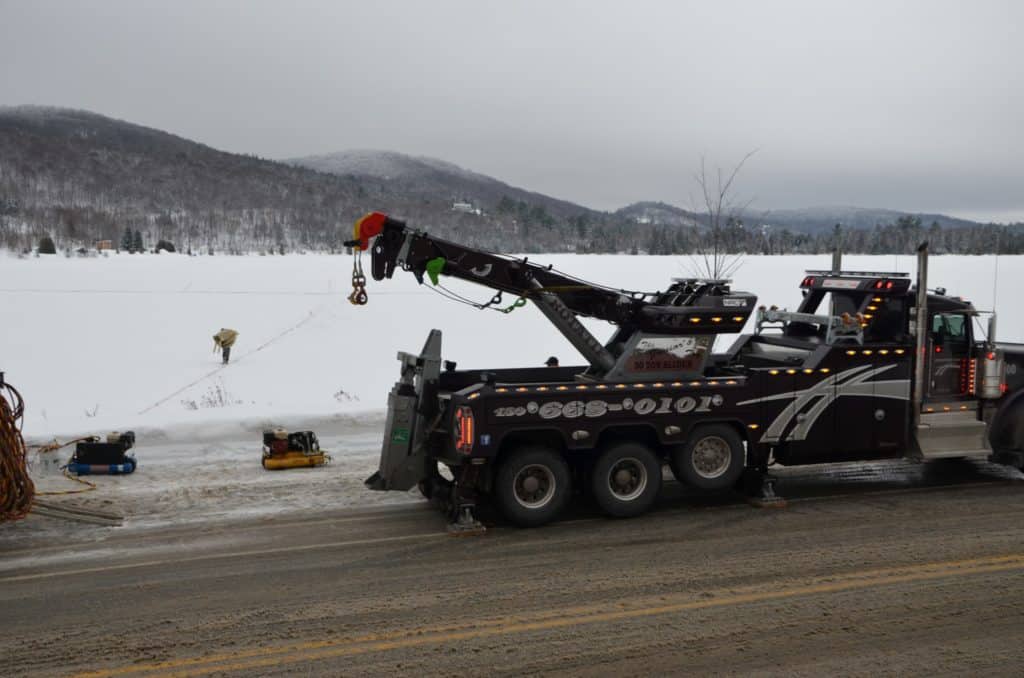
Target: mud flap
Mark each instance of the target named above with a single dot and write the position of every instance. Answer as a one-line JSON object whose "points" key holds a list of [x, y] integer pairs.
{"points": [[412, 409]]}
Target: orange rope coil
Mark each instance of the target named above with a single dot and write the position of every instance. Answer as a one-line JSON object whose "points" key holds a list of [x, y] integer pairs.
{"points": [[16, 487]]}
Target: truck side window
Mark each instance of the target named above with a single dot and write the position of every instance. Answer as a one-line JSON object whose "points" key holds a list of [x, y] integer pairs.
{"points": [[949, 327]]}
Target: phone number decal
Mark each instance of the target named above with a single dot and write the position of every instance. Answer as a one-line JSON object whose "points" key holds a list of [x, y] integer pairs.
{"points": [[593, 409]]}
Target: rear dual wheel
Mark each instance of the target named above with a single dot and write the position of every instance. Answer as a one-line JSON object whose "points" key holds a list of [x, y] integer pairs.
{"points": [[532, 486], [626, 479]]}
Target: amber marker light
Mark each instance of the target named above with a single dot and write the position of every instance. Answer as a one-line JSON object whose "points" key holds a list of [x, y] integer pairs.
{"points": [[851, 353], [773, 372], [790, 371], [716, 319], [695, 320], [737, 318]]}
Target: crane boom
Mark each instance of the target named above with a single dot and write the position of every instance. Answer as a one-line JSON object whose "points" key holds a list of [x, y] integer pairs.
{"points": [[688, 307]]}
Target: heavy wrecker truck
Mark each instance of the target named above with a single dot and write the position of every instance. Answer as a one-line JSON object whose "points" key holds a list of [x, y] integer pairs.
{"points": [[867, 367]]}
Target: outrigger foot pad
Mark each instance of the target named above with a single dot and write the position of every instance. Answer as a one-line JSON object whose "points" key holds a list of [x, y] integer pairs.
{"points": [[465, 525], [762, 492]]}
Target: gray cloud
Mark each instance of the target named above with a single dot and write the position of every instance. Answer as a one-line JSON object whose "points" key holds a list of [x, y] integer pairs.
{"points": [[911, 105]]}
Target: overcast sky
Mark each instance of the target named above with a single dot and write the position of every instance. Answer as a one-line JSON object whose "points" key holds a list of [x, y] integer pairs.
{"points": [[907, 105]]}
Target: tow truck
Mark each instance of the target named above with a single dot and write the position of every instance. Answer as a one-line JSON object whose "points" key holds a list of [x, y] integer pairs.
{"points": [[867, 367]]}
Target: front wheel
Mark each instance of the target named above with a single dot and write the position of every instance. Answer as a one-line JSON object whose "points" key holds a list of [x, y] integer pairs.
{"points": [[711, 459], [532, 486], [626, 480]]}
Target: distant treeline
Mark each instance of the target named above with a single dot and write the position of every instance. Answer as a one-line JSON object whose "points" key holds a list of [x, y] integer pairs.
{"points": [[510, 227], [901, 237]]}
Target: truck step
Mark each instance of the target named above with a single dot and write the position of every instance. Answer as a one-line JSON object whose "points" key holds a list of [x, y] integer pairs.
{"points": [[953, 434]]}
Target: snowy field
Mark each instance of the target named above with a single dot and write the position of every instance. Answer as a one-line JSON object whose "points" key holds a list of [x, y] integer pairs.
{"points": [[124, 342]]}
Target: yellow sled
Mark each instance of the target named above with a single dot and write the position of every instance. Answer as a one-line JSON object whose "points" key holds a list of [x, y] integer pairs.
{"points": [[293, 459]]}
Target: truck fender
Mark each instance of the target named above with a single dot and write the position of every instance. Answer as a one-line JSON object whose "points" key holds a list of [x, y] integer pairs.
{"points": [[1006, 430]]}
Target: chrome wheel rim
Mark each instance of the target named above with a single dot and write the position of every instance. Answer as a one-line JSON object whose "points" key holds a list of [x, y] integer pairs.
{"points": [[534, 486], [627, 479], [711, 457]]}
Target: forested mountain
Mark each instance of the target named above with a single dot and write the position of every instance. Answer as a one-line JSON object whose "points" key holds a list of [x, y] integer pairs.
{"points": [[436, 180], [79, 178]]}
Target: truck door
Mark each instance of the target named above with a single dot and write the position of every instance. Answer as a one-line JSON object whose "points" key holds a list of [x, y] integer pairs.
{"points": [[949, 356], [854, 406], [872, 401]]}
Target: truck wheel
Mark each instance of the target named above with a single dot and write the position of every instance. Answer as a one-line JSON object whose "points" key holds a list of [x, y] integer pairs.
{"points": [[626, 480], [711, 459], [532, 486]]}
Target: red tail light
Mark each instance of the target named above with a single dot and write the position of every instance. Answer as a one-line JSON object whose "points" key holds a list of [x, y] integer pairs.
{"points": [[465, 426]]}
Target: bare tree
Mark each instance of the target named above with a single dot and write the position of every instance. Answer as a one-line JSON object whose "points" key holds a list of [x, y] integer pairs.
{"points": [[712, 259]]}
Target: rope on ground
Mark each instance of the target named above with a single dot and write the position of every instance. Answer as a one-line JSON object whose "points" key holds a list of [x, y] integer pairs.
{"points": [[16, 488]]}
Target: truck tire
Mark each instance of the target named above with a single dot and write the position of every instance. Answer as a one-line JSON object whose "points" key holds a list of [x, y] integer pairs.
{"points": [[532, 486], [711, 459], [626, 479]]}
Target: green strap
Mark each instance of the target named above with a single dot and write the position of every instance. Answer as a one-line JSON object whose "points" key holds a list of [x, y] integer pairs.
{"points": [[518, 303], [434, 268]]}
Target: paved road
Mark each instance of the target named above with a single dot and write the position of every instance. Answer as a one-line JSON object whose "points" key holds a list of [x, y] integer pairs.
{"points": [[884, 569]]}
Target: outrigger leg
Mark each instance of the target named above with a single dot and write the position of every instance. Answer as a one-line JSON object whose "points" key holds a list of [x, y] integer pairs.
{"points": [[463, 505], [759, 486]]}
